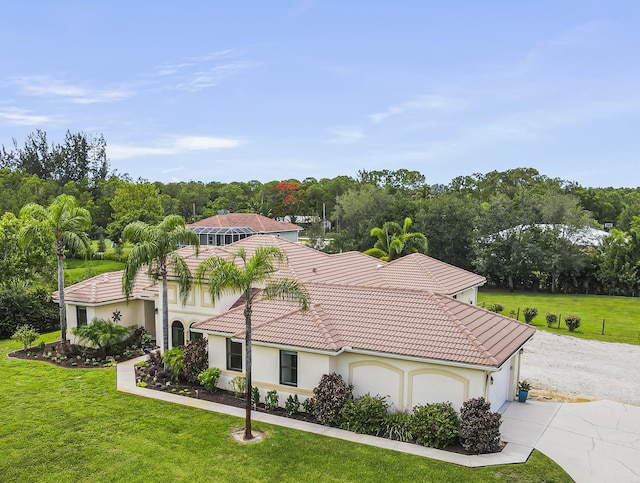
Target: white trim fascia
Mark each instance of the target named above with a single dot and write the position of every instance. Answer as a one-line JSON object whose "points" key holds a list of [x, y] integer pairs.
{"points": [[426, 360]]}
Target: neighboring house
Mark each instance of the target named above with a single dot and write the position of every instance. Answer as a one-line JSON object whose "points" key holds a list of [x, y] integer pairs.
{"points": [[585, 236], [221, 230], [407, 329]]}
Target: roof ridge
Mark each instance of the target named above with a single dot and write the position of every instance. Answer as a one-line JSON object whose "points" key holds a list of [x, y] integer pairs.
{"points": [[484, 352], [417, 291], [327, 328]]}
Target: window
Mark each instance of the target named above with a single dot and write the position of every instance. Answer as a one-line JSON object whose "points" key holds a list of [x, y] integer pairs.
{"points": [[289, 368], [194, 336], [177, 334], [234, 355], [81, 316]]}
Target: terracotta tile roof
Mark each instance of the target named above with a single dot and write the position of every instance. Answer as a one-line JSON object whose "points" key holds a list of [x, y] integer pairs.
{"points": [[108, 288], [421, 271], [250, 220], [395, 321]]}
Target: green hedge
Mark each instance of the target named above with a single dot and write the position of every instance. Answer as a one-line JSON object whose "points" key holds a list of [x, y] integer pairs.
{"points": [[33, 307]]}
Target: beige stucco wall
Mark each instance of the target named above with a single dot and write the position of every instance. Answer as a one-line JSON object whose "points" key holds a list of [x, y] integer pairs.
{"points": [[197, 308], [404, 383], [136, 313]]}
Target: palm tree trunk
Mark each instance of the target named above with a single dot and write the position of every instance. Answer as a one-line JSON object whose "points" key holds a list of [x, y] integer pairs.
{"points": [[62, 308], [165, 314], [247, 420]]}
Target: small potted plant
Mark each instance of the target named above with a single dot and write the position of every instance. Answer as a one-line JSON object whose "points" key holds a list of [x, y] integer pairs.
{"points": [[523, 390]]}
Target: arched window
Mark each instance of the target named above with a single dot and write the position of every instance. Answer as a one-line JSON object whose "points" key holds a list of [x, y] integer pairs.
{"points": [[194, 336], [177, 334]]}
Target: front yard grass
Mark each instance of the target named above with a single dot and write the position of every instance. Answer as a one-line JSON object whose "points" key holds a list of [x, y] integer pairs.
{"points": [[71, 425], [622, 314]]}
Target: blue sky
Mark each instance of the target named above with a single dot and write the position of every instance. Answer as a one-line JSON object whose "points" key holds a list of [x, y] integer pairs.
{"points": [[271, 90]]}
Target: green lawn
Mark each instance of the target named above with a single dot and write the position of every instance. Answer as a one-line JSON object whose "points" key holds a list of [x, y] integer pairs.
{"points": [[72, 425], [78, 270], [621, 314]]}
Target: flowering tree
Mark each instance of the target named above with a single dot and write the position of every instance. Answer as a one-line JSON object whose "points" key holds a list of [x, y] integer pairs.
{"points": [[287, 193]]}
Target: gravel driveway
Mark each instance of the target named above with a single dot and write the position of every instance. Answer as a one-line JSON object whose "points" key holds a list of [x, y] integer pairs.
{"points": [[566, 367]]}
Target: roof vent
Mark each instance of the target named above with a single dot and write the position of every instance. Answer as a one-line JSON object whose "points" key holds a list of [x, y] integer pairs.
{"points": [[378, 265]]}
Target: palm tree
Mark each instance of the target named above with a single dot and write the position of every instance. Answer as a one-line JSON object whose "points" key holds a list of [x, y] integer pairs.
{"points": [[155, 248], [225, 276], [66, 224], [395, 241]]}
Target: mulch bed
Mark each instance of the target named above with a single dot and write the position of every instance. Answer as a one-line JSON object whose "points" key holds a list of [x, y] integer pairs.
{"points": [[86, 358]]}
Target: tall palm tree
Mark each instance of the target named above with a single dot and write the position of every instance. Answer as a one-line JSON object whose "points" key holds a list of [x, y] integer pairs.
{"points": [[155, 248], [67, 224], [225, 276], [395, 241]]}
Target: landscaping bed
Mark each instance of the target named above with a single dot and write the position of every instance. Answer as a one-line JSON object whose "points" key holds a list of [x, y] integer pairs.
{"points": [[75, 356], [150, 375]]}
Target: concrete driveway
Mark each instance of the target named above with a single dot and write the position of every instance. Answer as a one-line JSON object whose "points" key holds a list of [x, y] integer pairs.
{"points": [[594, 442]]}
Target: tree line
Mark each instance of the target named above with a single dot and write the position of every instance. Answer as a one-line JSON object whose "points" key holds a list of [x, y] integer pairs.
{"points": [[512, 226]]}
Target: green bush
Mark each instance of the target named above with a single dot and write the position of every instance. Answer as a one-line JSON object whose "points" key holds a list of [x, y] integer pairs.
{"points": [[196, 359], [530, 313], [552, 320], [292, 405], [329, 397], [255, 396], [365, 415], [238, 385], [102, 333], [33, 307], [271, 400], [572, 321], [435, 425], [26, 335], [173, 360], [479, 427], [209, 378], [307, 405], [397, 426], [497, 308]]}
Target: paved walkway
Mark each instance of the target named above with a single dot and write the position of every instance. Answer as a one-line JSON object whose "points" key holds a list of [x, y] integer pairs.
{"points": [[593, 442]]}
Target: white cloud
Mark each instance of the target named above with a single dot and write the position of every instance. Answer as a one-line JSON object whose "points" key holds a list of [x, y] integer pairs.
{"points": [[44, 86], [346, 135], [172, 146], [22, 117], [202, 79], [430, 103]]}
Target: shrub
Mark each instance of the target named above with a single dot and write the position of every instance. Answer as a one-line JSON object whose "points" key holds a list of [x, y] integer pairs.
{"points": [[173, 360], [397, 426], [552, 320], [196, 359], [530, 313], [255, 396], [497, 308], [105, 334], [329, 397], [435, 425], [209, 378], [572, 321], [238, 385], [479, 427], [271, 400], [33, 307], [26, 335], [307, 405], [292, 405], [364, 415]]}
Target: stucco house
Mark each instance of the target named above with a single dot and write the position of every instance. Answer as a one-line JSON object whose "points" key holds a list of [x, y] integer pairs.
{"points": [[226, 229], [407, 329]]}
